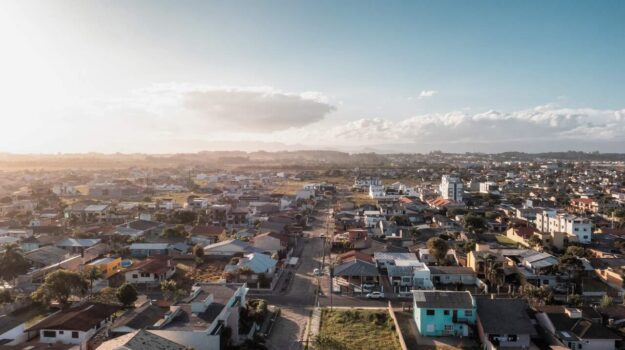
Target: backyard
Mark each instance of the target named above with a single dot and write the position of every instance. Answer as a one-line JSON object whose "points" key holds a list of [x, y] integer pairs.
{"points": [[357, 329]]}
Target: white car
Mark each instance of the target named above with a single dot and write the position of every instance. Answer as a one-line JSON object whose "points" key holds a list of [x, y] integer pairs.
{"points": [[375, 295]]}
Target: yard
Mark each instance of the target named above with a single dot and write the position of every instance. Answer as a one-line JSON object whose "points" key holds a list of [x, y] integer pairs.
{"points": [[356, 329]]}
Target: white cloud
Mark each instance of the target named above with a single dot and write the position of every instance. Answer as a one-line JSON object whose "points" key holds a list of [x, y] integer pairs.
{"points": [[427, 93], [541, 124]]}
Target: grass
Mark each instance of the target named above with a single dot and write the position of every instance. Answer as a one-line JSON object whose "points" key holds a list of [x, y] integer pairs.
{"points": [[357, 329], [502, 239]]}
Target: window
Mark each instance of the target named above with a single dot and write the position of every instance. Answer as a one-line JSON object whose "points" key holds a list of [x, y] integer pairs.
{"points": [[468, 313], [75, 335], [446, 312], [49, 334], [134, 275], [61, 332], [429, 312]]}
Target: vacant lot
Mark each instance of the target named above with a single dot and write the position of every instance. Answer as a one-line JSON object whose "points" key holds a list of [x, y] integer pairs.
{"points": [[357, 329]]}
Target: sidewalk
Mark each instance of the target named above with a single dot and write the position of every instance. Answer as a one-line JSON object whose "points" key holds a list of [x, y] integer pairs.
{"points": [[315, 326]]}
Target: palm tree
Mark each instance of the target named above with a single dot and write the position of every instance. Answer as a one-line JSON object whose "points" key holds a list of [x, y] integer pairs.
{"points": [[92, 275]]}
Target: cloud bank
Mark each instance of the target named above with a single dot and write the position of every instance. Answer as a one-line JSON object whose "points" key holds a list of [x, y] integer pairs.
{"points": [[543, 123], [427, 93]]}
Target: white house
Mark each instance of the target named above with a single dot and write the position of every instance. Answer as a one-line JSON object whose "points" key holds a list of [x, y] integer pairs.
{"points": [[150, 271], [75, 325], [272, 242], [203, 318]]}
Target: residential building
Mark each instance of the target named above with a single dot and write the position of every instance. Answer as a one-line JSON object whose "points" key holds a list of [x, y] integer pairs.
{"points": [[569, 327], [504, 323], [108, 265], [75, 325], [451, 188], [551, 221], [444, 313], [150, 271]]}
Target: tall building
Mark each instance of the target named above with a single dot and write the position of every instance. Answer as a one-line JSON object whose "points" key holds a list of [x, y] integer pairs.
{"points": [[549, 221], [451, 188]]}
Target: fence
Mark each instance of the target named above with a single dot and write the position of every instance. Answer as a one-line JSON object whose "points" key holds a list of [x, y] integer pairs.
{"points": [[402, 342]]}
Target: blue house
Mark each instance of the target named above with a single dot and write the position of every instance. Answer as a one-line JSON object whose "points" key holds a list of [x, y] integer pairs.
{"points": [[142, 250], [444, 313]]}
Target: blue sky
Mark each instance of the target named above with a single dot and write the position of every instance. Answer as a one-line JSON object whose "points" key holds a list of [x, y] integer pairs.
{"points": [[555, 68]]}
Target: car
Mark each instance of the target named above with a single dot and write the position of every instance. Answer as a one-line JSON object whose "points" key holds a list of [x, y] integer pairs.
{"points": [[375, 295], [368, 287]]}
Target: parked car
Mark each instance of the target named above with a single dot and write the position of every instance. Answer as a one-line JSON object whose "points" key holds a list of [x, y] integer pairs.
{"points": [[368, 287], [375, 295]]}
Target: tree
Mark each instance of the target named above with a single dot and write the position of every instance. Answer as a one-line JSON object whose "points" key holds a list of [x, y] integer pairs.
{"points": [[475, 222], [438, 248], [571, 265], [169, 289], [91, 275], [198, 251], [12, 263], [575, 251], [60, 285], [606, 301], [127, 294], [535, 241]]}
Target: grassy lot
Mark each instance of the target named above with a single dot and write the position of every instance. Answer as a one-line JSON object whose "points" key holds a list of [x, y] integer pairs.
{"points": [[502, 239], [290, 187], [357, 329]]}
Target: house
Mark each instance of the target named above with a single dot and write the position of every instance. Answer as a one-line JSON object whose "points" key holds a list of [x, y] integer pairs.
{"points": [[255, 262], [574, 331], [230, 248], [271, 242], [150, 271], [444, 313], [504, 323], [207, 231], [206, 319], [452, 275], [138, 228], [145, 316], [75, 325], [385, 259], [77, 244], [355, 273], [46, 256], [406, 275], [141, 250], [425, 256], [12, 330], [140, 340], [108, 266]]}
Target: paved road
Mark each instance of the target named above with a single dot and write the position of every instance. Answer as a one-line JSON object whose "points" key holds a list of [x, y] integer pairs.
{"points": [[297, 303]]}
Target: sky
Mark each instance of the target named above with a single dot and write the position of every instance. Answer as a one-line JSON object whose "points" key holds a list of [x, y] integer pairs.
{"points": [[353, 75]]}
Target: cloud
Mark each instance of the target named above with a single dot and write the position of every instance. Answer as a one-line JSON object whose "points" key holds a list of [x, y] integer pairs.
{"points": [[427, 93], [247, 109], [549, 123]]}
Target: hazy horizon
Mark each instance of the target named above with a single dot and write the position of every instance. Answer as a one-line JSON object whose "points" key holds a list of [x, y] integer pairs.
{"points": [[161, 77]]}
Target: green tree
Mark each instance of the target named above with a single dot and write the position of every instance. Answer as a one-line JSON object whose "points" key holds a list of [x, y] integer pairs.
{"points": [[60, 285], [438, 248], [475, 222], [92, 274], [606, 301], [12, 263], [127, 294], [198, 251], [169, 289], [576, 251]]}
